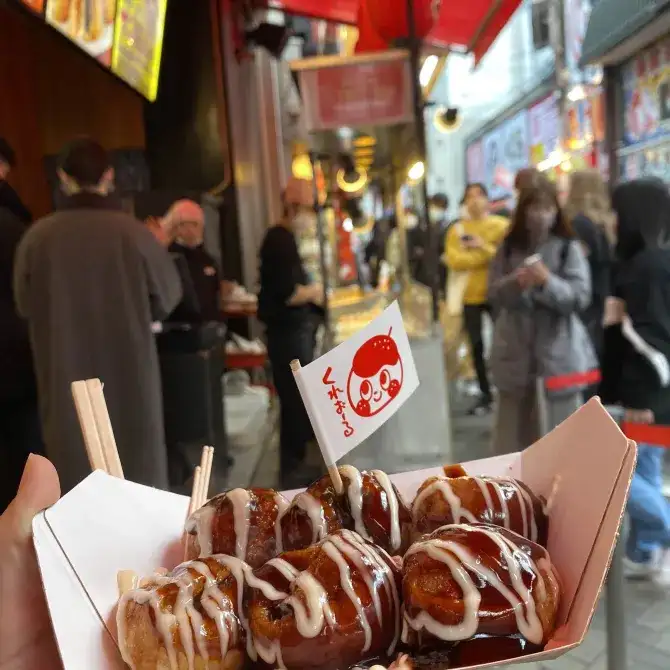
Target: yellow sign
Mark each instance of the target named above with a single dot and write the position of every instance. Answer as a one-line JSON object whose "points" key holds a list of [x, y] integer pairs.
{"points": [[138, 44]]}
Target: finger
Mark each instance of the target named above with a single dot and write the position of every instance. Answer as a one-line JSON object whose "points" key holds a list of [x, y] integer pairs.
{"points": [[39, 489]]}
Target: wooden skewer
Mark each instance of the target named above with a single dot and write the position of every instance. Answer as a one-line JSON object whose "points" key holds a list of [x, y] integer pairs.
{"points": [[332, 469], [200, 490], [195, 492], [206, 462], [104, 424], [89, 428], [96, 427]]}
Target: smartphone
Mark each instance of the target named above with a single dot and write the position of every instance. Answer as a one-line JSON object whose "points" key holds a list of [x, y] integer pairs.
{"points": [[532, 260]]}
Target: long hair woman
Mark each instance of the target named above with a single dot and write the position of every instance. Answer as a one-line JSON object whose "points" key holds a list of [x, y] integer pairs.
{"points": [[590, 213], [636, 361], [539, 283]]}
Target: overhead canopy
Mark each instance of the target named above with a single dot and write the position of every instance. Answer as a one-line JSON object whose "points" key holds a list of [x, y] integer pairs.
{"points": [[472, 24], [613, 22]]}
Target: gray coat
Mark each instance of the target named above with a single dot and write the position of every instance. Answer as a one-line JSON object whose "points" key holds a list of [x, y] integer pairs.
{"points": [[90, 280], [539, 332]]}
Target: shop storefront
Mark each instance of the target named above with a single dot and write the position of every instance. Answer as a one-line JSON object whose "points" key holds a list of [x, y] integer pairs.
{"points": [[634, 46], [528, 136], [645, 114]]}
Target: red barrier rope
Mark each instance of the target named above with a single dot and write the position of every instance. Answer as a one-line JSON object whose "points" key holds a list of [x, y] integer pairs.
{"points": [[565, 382], [644, 433]]}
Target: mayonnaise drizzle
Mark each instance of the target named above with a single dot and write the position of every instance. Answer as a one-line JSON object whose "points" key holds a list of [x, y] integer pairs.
{"points": [[282, 506], [499, 484], [314, 509], [312, 610], [462, 564], [444, 487], [355, 495], [310, 615], [394, 507], [184, 615], [348, 587], [240, 499]]}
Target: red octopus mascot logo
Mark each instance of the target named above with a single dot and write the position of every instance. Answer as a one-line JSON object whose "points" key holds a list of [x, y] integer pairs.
{"points": [[376, 376]]}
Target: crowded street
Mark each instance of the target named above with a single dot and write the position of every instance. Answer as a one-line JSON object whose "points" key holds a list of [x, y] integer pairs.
{"points": [[334, 334]]}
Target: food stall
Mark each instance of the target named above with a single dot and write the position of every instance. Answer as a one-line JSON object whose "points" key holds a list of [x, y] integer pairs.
{"points": [[370, 97]]}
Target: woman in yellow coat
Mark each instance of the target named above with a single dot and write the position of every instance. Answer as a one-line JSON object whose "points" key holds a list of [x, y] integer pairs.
{"points": [[471, 246]]}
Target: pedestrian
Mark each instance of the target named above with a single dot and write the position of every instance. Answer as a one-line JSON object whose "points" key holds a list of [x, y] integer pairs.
{"points": [[471, 246], [636, 360], [8, 196], [539, 284], [91, 280], [589, 211], [438, 210], [288, 306], [19, 417], [187, 219]]}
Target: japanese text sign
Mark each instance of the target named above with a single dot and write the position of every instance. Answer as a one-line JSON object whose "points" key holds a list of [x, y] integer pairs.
{"points": [[355, 388]]}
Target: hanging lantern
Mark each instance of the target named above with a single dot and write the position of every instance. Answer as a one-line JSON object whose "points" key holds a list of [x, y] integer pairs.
{"points": [[368, 40], [389, 17]]}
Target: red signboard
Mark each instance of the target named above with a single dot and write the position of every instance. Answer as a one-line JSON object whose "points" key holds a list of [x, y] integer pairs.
{"points": [[337, 11], [365, 93]]}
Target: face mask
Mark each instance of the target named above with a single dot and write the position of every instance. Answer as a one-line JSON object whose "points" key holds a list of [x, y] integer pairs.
{"points": [[303, 221], [541, 223], [411, 221], [436, 213]]}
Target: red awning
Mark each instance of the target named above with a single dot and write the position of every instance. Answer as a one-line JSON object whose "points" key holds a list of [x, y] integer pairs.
{"points": [[338, 11], [474, 25]]}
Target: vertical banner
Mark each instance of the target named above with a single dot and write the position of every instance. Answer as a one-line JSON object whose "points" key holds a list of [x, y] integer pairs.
{"points": [[544, 129]]}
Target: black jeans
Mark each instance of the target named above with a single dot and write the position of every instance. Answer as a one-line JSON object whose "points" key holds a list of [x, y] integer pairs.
{"points": [[20, 435], [284, 346], [472, 318]]}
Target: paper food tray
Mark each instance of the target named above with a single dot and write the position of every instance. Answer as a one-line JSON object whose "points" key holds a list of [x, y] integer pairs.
{"points": [[105, 525]]}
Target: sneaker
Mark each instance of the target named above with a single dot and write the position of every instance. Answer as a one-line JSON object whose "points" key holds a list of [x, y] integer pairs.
{"points": [[635, 570], [481, 408], [661, 572]]}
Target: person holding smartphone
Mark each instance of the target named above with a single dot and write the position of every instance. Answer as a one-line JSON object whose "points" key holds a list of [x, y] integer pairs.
{"points": [[539, 285], [470, 247]]}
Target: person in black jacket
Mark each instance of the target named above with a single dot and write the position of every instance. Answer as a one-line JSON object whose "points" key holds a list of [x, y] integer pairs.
{"points": [[19, 417], [593, 220], [286, 305], [636, 360], [9, 198]]}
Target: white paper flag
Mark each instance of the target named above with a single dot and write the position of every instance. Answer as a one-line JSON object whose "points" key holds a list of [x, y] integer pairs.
{"points": [[353, 389]]}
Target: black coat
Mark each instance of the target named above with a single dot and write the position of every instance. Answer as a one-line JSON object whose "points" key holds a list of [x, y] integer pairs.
{"points": [[9, 199], [600, 258], [17, 378], [631, 374]]}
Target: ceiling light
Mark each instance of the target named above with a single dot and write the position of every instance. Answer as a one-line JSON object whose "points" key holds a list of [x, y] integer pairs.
{"points": [[351, 182], [416, 172]]}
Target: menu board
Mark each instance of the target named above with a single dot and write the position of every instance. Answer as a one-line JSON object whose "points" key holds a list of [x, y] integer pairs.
{"points": [[506, 152], [138, 44], [88, 23], [35, 5]]}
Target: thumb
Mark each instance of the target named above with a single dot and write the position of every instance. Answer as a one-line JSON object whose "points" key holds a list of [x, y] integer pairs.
{"points": [[39, 489]]}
